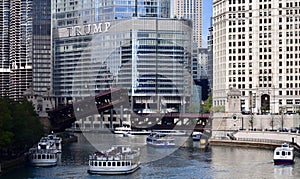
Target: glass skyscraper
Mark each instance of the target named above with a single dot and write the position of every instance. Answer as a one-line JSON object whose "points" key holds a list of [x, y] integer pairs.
{"points": [[100, 45]]}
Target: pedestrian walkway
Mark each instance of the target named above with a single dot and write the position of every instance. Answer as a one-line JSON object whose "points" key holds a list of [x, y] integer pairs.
{"points": [[269, 139]]}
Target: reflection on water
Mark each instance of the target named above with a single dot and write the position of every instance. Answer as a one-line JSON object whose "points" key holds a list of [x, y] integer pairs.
{"points": [[283, 170], [103, 142], [186, 162]]}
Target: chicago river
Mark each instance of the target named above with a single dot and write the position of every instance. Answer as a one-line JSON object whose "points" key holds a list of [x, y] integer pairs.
{"points": [[188, 161]]}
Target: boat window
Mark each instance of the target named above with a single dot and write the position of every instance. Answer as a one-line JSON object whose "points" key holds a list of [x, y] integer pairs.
{"points": [[47, 156], [127, 163], [113, 163], [289, 153], [39, 156], [108, 164], [104, 164], [123, 163], [118, 164], [100, 164], [283, 153], [43, 156], [277, 153], [96, 163]]}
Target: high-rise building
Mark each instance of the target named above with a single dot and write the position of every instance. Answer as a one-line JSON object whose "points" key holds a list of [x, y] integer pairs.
{"points": [[25, 36], [190, 9], [20, 57], [4, 47], [41, 46], [256, 45], [100, 45], [210, 45]]}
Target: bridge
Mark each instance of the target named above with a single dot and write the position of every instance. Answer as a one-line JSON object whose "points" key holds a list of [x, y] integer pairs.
{"points": [[91, 112]]}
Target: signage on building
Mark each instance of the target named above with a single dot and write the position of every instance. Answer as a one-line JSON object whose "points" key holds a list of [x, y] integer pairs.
{"points": [[82, 30], [88, 29]]}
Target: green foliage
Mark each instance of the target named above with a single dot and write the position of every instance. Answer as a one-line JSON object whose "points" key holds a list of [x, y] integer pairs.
{"points": [[207, 106], [19, 124], [218, 109], [6, 124]]}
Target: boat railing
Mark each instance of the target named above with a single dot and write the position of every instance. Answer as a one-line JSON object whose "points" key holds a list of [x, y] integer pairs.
{"points": [[119, 156]]}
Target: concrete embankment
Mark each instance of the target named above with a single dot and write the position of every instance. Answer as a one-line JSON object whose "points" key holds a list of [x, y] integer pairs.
{"points": [[258, 139], [6, 166], [249, 144]]}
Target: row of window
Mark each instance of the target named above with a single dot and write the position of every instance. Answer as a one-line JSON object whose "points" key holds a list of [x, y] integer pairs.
{"points": [[109, 163], [238, 1], [43, 156]]}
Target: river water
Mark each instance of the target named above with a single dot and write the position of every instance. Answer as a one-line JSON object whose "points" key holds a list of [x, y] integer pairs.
{"points": [[189, 161]]}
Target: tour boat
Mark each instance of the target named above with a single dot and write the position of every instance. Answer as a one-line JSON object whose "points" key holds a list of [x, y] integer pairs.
{"points": [[50, 143], [42, 157], [174, 132], [196, 136], [120, 159], [55, 142], [284, 154], [122, 130], [160, 140], [133, 133]]}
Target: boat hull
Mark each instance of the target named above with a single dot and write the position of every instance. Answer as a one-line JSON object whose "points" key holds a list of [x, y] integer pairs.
{"points": [[196, 138], [43, 163], [283, 161], [113, 171], [161, 145]]}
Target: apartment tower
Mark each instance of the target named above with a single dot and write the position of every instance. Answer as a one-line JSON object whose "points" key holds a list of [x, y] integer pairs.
{"points": [[25, 46], [4, 47], [192, 10], [256, 50], [20, 48]]}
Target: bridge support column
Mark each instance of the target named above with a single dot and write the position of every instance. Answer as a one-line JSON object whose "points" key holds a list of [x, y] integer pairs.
{"points": [[121, 115], [101, 119], [92, 121], [82, 123], [158, 103], [111, 119], [183, 105]]}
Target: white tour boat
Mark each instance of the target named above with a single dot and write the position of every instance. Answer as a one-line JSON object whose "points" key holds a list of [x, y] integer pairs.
{"points": [[56, 142], [196, 136], [133, 133], [284, 154], [174, 132], [51, 142], [122, 130], [43, 158], [160, 140], [120, 159]]}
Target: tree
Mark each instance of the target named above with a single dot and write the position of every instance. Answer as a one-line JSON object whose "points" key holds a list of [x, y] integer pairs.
{"points": [[6, 124], [206, 107], [27, 127], [20, 126]]}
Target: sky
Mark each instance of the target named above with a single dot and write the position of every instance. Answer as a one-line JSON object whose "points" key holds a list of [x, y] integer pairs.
{"points": [[206, 15]]}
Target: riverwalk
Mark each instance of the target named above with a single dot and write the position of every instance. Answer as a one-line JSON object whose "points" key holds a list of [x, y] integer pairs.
{"points": [[259, 139]]}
